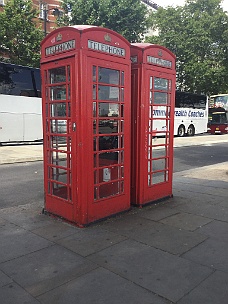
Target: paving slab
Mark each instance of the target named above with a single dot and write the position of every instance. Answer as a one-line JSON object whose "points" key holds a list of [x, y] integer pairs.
{"points": [[46, 269], [55, 229], [211, 291], [156, 212], [90, 240], [4, 279], [216, 229], [16, 242], [14, 294], [158, 235], [167, 275], [186, 221], [101, 286], [212, 253]]}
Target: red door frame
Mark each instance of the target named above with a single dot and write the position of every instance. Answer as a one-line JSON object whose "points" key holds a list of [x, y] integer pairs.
{"points": [[141, 192]]}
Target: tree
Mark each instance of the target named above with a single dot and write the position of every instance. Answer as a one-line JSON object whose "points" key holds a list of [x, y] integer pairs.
{"points": [[127, 17], [197, 34], [19, 36]]}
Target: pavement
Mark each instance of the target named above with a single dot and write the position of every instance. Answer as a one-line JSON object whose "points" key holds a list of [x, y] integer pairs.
{"points": [[174, 251]]}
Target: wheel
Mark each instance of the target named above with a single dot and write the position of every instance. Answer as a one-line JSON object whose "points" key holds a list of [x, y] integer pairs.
{"points": [[191, 130], [181, 131]]}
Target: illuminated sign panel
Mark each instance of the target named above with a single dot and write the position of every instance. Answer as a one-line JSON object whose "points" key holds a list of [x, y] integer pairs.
{"points": [[59, 48], [105, 48], [159, 61]]}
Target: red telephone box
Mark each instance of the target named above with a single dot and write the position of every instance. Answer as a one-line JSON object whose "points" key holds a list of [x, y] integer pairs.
{"points": [[153, 94], [86, 121]]}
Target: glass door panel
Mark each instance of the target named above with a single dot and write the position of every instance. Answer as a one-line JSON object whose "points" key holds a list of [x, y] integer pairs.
{"points": [[108, 130], [58, 138]]}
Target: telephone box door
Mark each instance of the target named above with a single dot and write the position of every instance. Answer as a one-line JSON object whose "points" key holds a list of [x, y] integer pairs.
{"points": [[59, 123], [159, 135], [109, 178]]}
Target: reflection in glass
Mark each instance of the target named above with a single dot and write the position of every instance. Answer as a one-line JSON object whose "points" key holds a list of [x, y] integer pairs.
{"points": [[151, 83], [94, 92], [58, 109], [108, 142], [108, 126], [161, 84], [122, 78], [108, 158], [108, 93], [122, 94], [58, 174], [94, 109], [108, 109], [94, 73], [58, 93], [160, 98], [57, 75], [59, 126], [108, 76]]}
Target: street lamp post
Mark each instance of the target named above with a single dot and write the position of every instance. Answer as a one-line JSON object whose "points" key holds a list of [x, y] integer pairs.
{"points": [[56, 12]]}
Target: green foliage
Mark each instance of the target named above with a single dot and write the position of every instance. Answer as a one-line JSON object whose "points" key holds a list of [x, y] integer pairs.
{"points": [[127, 17], [197, 34], [19, 36]]}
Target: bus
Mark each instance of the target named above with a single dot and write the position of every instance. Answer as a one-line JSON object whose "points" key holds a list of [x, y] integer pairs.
{"points": [[218, 123], [219, 100], [20, 104], [191, 114]]}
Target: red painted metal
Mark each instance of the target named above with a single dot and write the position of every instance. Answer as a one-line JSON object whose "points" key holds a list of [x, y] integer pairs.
{"points": [[153, 94], [86, 121]]}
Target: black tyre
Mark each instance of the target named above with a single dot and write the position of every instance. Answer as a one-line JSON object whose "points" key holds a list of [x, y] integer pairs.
{"points": [[181, 131], [191, 130]]}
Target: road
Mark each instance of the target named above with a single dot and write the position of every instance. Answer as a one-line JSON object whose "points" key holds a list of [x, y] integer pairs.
{"points": [[23, 183]]}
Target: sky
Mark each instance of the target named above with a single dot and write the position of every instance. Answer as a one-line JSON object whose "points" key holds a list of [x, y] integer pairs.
{"points": [[165, 3]]}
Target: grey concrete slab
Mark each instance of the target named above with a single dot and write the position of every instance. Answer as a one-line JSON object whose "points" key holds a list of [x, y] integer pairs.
{"points": [[55, 230], [27, 216], [164, 274], [46, 269], [186, 221], [103, 287], [216, 229], [4, 279], [158, 235], [2, 222], [16, 242], [212, 253], [212, 291], [14, 294], [90, 240], [157, 212], [204, 208]]}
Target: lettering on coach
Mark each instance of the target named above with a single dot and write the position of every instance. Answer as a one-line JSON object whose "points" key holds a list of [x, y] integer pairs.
{"points": [[59, 48], [98, 46]]}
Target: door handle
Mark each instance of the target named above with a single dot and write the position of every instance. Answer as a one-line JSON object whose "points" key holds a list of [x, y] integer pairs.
{"points": [[74, 126]]}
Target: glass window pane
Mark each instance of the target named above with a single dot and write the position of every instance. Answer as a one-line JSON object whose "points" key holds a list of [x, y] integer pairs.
{"points": [[94, 73], [161, 84], [108, 126], [122, 78], [160, 98], [58, 109], [109, 189], [57, 75], [58, 93], [108, 142], [108, 109], [108, 76], [108, 93], [59, 126], [158, 164], [108, 158], [158, 177]]}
